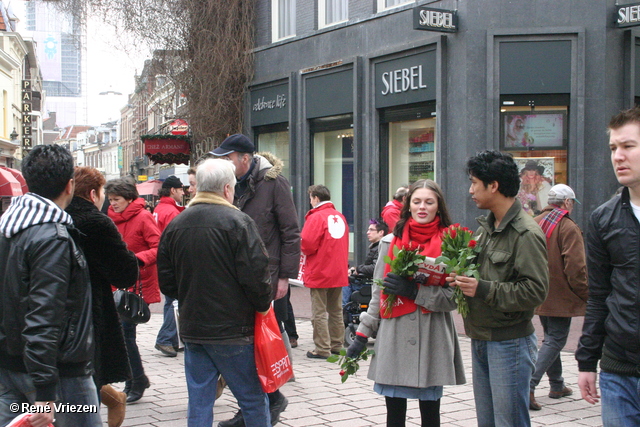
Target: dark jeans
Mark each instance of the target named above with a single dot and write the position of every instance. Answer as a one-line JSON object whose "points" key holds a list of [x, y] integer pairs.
{"points": [[168, 334], [135, 361], [556, 331]]}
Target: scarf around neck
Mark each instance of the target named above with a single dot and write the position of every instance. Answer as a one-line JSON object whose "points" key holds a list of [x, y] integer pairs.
{"points": [[429, 237], [210, 198]]}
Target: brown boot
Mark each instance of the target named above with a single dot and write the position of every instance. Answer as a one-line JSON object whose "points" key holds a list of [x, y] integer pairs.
{"points": [[116, 402], [533, 405]]}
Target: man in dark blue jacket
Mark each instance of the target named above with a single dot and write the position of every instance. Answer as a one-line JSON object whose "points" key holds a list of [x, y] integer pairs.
{"points": [[611, 331], [46, 334]]}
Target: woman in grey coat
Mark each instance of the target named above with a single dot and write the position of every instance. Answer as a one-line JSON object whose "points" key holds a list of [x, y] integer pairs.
{"points": [[416, 350]]}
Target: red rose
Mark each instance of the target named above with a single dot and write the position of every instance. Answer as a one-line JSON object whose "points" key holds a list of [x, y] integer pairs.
{"points": [[452, 233], [342, 373], [472, 243]]}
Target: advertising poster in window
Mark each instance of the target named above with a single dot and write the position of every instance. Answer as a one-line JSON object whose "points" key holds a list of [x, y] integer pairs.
{"points": [[528, 130], [536, 179]]}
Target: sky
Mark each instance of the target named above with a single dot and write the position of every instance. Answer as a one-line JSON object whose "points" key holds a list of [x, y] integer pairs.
{"points": [[112, 62]]}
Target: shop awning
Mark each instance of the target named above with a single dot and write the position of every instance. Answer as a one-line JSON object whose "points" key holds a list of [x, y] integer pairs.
{"points": [[149, 187], [167, 149], [9, 185], [18, 175]]}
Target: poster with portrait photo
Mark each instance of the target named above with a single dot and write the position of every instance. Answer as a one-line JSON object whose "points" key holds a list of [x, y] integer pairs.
{"points": [[536, 179], [526, 130]]}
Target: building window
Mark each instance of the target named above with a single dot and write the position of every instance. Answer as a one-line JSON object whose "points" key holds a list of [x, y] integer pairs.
{"points": [[283, 19], [390, 4], [537, 138], [332, 12], [277, 143], [411, 152]]}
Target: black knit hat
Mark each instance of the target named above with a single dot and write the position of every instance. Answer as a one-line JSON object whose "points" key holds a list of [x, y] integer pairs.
{"points": [[172, 182]]}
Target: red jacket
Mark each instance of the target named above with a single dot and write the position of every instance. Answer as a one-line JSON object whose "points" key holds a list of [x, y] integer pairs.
{"points": [[165, 211], [325, 242], [391, 214], [141, 234]]}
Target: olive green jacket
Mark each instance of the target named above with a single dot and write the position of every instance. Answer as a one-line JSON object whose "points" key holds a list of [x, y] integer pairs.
{"points": [[514, 277]]}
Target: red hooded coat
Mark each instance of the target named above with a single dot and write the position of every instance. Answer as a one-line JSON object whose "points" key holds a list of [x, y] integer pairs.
{"points": [[141, 234]]}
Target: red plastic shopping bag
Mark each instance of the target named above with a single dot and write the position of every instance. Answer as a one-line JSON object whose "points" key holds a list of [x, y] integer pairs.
{"points": [[272, 360]]}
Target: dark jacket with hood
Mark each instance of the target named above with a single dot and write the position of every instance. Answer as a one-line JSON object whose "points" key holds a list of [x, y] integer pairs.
{"points": [[110, 263], [46, 326], [265, 195], [611, 329]]}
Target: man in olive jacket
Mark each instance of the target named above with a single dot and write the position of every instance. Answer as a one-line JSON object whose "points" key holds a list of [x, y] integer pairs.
{"points": [[513, 281], [568, 291]]}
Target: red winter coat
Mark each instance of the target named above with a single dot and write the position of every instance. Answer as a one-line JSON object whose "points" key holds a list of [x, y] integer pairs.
{"points": [[165, 211], [325, 242], [391, 214], [141, 234]]}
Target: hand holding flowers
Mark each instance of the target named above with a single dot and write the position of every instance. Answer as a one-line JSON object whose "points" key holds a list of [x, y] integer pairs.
{"points": [[348, 364], [459, 252], [404, 264]]}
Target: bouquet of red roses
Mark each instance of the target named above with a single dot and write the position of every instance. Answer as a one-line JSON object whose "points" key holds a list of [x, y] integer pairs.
{"points": [[405, 263], [459, 252]]}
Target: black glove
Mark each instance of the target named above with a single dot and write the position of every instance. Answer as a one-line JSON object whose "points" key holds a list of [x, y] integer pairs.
{"points": [[356, 346], [398, 285]]}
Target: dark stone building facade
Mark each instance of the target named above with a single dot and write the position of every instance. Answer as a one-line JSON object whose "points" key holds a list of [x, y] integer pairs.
{"points": [[352, 96]]}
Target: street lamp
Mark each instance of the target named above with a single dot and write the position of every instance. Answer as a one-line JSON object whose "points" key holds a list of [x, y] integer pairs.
{"points": [[14, 136]]}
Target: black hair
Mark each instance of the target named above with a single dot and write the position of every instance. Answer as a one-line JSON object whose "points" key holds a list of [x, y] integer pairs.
{"points": [[490, 165], [164, 192], [380, 225], [47, 170], [121, 187]]}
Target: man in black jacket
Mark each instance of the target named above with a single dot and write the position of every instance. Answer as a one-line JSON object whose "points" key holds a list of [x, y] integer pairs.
{"points": [[46, 334], [212, 260], [610, 332], [376, 231], [265, 195]]}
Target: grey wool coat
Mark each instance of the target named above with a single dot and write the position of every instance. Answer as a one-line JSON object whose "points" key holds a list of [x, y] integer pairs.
{"points": [[418, 349]]}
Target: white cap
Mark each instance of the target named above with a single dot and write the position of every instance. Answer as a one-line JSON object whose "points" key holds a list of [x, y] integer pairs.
{"points": [[562, 192]]}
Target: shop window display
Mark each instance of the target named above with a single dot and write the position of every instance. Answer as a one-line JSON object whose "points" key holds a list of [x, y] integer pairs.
{"points": [[537, 139], [412, 152], [277, 143]]}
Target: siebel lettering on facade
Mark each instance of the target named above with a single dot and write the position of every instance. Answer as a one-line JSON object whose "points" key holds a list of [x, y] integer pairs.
{"points": [[402, 80], [431, 19], [628, 15]]}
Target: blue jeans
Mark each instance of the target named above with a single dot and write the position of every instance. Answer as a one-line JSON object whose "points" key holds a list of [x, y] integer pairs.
{"points": [[620, 400], [501, 376], [17, 387], [354, 285], [556, 331], [168, 333], [204, 363]]}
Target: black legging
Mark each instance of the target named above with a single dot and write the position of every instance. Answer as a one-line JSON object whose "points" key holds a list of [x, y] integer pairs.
{"points": [[397, 412]]}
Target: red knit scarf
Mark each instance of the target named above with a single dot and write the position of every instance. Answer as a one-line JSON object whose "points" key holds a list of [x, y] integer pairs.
{"points": [[429, 237]]}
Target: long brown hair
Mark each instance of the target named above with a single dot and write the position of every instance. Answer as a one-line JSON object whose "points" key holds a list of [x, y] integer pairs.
{"points": [[405, 213]]}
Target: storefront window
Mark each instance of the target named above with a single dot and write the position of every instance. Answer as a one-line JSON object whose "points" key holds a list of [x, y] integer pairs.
{"points": [[411, 152], [333, 168], [277, 143], [537, 139]]}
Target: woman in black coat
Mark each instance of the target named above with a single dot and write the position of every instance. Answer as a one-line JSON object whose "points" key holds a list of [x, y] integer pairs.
{"points": [[110, 263]]}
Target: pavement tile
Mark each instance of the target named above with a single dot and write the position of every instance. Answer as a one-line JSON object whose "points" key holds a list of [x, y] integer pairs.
{"points": [[318, 398]]}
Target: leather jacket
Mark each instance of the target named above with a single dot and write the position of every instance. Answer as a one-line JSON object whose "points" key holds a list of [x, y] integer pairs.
{"points": [[613, 259], [46, 327]]}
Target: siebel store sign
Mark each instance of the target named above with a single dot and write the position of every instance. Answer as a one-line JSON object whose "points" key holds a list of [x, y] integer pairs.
{"points": [[627, 15], [431, 19], [406, 80]]}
